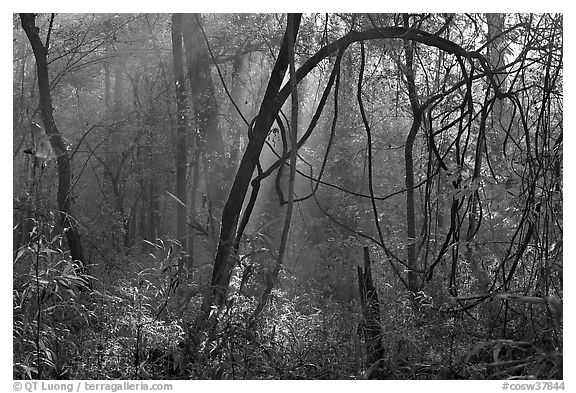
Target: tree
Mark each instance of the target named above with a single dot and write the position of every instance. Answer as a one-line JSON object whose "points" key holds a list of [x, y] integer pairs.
{"points": [[63, 159], [408, 156], [230, 214], [181, 139], [292, 24]]}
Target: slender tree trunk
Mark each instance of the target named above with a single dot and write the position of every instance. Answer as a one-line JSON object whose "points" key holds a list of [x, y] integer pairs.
{"points": [[181, 139], [114, 157], [495, 26], [347, 116], [107, 89], [129, 225], [150, 211], [235, 135], [144, 216], [63, 159], [193, 201], [409, 165]]}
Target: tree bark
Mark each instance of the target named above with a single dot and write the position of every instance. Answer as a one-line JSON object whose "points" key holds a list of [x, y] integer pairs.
{"points": [[62, 157]]}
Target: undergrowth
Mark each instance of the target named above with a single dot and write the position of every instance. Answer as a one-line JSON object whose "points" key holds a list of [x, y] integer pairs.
{"points": [[69, 325]]}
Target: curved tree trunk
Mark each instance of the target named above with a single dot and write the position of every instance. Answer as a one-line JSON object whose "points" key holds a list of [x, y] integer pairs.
{"points": [[63, 159], [409, 164]]}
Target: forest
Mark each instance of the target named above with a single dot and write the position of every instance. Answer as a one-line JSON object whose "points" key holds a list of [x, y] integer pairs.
{"points": [[287, 196]]}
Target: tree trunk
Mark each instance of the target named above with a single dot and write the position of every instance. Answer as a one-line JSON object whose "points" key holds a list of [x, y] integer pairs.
{"points": [[130, 224], [292, 28], [198, 65], [495, 25], [192, 208], [114, 141], [370, 327], [107, 89], [235, 134], [181, 139], [144, 214], [269, 109], [63, 159], [152, 229], [409, 166]]}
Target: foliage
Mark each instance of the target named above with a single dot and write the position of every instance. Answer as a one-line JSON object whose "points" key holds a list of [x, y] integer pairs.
{"points": [[47, 307], [291, 341]]}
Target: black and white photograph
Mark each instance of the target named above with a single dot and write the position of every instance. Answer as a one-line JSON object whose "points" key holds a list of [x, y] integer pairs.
{"points": [[287, 196]]}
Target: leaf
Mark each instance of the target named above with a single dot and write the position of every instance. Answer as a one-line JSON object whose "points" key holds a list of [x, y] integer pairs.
{"points": [[213, 309], [176, 198], [21, 252], [213, 346], [156, 246]]}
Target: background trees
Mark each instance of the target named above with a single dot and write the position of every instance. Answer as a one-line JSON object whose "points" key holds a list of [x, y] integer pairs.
{"points": [[432, 141]]}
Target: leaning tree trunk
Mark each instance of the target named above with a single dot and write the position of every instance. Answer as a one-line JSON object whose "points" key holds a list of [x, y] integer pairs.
{"points": [[63, 159], [269, 108], [292, 28]]}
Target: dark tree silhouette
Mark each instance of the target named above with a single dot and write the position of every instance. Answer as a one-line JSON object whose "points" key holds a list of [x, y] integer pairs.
{"points": [[63, 159]]}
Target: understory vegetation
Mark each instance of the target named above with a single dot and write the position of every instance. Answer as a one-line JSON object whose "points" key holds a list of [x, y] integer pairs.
{"points": [[132, 324], [288, 196]]}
